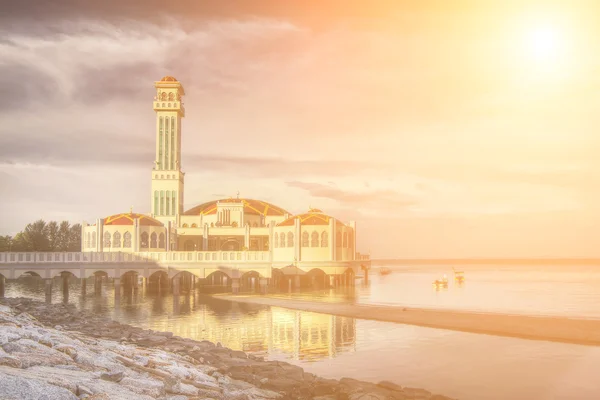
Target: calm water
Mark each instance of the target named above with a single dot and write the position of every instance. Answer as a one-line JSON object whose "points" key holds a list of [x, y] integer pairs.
{"points": [[462, 365]]}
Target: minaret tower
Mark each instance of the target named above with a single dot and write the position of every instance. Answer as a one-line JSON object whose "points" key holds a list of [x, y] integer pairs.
{"points": [[167, 178]]}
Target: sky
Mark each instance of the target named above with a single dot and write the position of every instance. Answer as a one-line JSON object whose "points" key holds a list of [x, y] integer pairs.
{"points": [[444, 128]]}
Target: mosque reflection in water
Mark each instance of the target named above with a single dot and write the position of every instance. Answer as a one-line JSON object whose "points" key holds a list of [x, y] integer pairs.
{"points": [[265, 331], [259, 330]]}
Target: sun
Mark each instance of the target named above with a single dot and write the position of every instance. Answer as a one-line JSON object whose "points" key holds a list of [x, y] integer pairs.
{"points": [[544, 43]]}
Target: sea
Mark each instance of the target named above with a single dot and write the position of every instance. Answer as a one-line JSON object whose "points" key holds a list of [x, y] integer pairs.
{"points": [[460, 365]]}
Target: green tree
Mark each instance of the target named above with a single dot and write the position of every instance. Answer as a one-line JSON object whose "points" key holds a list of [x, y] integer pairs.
{"points": [[52, 229], [64, 233], [75, 238], [6, 243], [36, 236]]}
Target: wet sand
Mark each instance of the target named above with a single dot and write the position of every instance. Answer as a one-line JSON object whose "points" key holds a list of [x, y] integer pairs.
{"points": [[554, 329]]}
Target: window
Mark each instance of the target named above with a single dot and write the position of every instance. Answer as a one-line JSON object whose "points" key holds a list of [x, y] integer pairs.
{"points": [[338, 239], [89, 240], [153, 241], [156, 202], [194, 225], [127, 240], [117, 240], [93, 239], [162, 202], [173, 144], [345, 243], [275, 240], [290, 239], [168, 202], [173, 208], [185, 226], [324, 239], [107, 239], [304, 239], [314, 239], [282, 239], [161, 241], [144, 240], [160, 143]]}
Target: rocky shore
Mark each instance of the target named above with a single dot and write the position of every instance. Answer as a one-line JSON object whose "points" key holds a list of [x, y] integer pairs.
{"points": [[54, 351]]}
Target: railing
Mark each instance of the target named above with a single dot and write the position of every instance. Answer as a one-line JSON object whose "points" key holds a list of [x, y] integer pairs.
{"points": [[362, 257], [96, 257]]}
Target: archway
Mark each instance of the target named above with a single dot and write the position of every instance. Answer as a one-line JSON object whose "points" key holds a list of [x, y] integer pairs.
{"points": [[230, 245], [158, 282], [130, 282], [249, 281], [183, 282], [315, 279], [67, 280], [215, 282], [278, 280]]}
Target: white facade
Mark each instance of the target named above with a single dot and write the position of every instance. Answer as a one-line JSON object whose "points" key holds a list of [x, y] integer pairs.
{"points": [[226, 225]]}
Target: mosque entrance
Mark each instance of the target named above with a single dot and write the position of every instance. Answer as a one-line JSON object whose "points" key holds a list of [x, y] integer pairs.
{"points": [[230, 245]]}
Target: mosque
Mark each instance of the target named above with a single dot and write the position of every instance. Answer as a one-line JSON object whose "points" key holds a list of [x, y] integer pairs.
{"points": [[226, 225]]}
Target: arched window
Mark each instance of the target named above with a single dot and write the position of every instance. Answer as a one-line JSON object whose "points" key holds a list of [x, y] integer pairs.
{"points": [[107, 239], [345, 244], [168, 203], [194, 225], [171, 96], [89, 240], [173, 202], [153, 241], [162, 202], [338, 239], [324, 239], [127, 240], [212, 224], [156, 201], [116, 240], [290, 239], [282, 239], [314, 239], [304, 239], [185, 226], [161, 240], [93, 239], [144, 240], [275, 240], [255, 225]]}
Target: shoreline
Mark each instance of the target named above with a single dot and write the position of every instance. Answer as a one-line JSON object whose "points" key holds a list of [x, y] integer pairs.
{"points": [[74, 354], [545, 328]]}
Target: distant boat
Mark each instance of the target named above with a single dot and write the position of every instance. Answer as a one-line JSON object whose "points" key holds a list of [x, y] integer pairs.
{"points": [[459, 276], [384, 271], [441, 282]]}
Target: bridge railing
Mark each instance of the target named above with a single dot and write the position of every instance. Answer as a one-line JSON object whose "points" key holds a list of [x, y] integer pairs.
{"points": [[107, 257], [362, 257]]}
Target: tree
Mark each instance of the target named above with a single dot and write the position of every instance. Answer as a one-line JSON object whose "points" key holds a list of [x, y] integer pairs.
{"points": [[6, 243], [42, 236], [52, 228], [36, 236]]}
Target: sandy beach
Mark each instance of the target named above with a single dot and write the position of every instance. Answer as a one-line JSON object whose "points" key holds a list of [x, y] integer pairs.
{"points": [[555, 329]]}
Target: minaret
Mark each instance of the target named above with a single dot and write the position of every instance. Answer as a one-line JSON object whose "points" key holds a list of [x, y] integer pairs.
{"points": [[167, 178]]}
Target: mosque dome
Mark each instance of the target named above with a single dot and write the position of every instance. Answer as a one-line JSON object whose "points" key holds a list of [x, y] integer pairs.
{"points": [[314, 216], [251, 207], [128, 218], [168, 78]]}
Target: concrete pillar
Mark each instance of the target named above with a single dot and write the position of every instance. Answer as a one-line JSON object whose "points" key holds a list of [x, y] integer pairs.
{"points": [[246, 236], [117, 282], [331, 281], [331, 238], [1, 287], [176, 285], [97, 284], [83, 286], [205, 238], [264, 285], [48, 290], [135, 282], [235, 285], [193, 282], [290, 284]]}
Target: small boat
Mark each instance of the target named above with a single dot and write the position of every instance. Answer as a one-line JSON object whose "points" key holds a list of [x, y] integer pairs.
{"points": [[459, 276], [441, 282], [384, 271]]}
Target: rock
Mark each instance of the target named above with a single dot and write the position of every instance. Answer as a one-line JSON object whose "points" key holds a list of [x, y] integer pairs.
{"points": [[17, 388], [82, 389], [113, 376], [390, 386], [149, 387], [10, 361]]}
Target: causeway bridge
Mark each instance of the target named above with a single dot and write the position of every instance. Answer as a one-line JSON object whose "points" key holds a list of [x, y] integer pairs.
{"points": [[227, 267]]}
